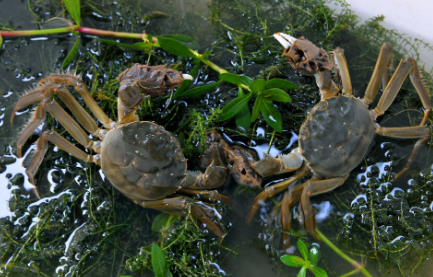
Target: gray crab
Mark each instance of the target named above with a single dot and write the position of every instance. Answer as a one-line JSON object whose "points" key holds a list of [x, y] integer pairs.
{"points": [[337, 133], [140, 158]]}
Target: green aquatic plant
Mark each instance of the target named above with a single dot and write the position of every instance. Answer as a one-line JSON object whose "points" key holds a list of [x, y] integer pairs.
{"points": [[193, 132], [242, 45], [308, 261], [183, 250], [178, 45], [266, 92]]}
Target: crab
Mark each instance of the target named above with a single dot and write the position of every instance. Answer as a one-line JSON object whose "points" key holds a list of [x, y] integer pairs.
{"points": [[140, 158], [338, 131]]}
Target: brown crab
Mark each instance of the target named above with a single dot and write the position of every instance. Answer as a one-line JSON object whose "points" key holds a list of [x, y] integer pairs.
{"points": [[140, 158], [339, 130]]}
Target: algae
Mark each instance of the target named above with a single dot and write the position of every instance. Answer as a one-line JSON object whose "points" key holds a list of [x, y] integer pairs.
{"points": [[83, 226]]}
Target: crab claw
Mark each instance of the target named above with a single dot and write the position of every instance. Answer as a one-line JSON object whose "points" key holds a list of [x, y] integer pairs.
{"points": [[303, 55], [187, 77], [285, 39]]}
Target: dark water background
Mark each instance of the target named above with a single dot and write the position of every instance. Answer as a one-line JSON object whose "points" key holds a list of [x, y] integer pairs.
{"points": [[24, 61]]}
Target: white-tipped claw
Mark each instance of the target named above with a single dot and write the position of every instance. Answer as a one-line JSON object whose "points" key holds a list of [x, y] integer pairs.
{"points": [[285, 39], [281, 40], [187, 77], [289, 38]]}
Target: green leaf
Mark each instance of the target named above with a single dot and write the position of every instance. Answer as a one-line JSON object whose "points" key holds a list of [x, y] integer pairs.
{"points": [[292, 260], [71, 55], [175, 47], [73, 7], [186, 40], [198, 91], [303, 249], [307, 264], [159, 263], [246, 80], [243, 117], [231, 78], [257, 107], [141, 45], [314, 255], [258, 85], [1, 41], [160, 221], [302, 272], [233, 107], [276, 94], [271, 115], [148, 39], [280, 83], [169, 274], [186, 83], [206, 54], [318, 272]]}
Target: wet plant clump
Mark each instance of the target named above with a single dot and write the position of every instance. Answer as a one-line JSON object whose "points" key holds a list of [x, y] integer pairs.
{"points": [[187, 247], [397, 219], [82, 226]]}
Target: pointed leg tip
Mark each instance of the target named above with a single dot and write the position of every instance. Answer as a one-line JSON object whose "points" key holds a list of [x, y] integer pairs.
{"points": [[13, 117], [250, 217], [35, 191]]}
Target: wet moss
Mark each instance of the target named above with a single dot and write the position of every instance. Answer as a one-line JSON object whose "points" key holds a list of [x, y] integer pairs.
{"points": [[85, 227]]}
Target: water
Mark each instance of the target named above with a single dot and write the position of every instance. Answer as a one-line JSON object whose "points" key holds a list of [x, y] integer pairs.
{"points": [[84, 207]]}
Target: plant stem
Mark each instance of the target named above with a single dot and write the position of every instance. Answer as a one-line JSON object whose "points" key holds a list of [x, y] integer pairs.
{"points": [[213, 66], [74, 28], [342, 254], [34, 33], [97, 32]]}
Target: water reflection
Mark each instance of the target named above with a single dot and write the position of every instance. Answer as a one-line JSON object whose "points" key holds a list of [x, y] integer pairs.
{"points": [[13, 169]]}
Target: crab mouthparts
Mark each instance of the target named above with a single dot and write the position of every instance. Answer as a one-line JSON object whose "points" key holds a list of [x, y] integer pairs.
{"points": [[187, 77], [285, 39]]}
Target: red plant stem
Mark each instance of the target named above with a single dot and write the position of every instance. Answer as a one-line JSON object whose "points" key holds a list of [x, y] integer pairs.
{"points": [[83, 30]]}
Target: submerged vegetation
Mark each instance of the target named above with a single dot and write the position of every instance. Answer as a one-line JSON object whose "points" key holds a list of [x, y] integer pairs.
{"points": [[84, 227]]}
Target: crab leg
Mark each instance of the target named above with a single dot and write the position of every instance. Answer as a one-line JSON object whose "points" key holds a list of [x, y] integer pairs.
{"points": [[315, 187], [381, 71], [421, 132], [292, 196], [269, 165], [77, 110], [62, 143], [65, 119], [344, 71], [215, 176], [212, 195], [275, 189], [179, 205], [36, 95], [415, 77], [41, 93], [73, 80], [70, 125], [38, 118], [393, 86], [327, 87]]}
